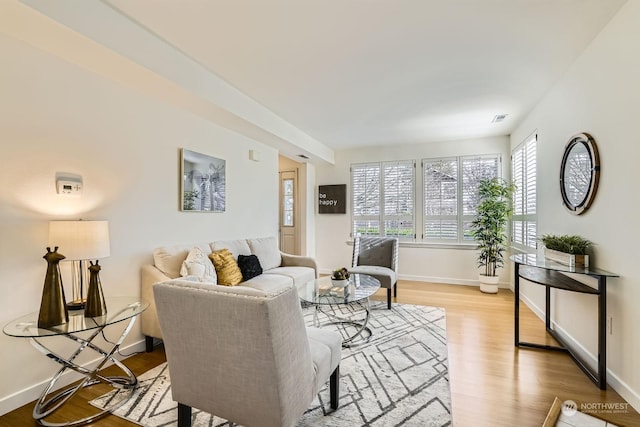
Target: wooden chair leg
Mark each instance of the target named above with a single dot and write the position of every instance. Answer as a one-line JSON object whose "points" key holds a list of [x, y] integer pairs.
{"points": [[395, 290], [184, 415], [334, 388]]}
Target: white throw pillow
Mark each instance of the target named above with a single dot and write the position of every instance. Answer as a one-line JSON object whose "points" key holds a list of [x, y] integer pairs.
{"points": [[266, 248], [198, 264]]}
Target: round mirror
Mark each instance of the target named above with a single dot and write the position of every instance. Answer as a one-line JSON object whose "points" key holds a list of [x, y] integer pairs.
{"points": [[579, 173]]}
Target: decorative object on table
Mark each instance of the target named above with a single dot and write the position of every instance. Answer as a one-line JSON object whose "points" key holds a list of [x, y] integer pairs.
{"points": [[80, 241], [566, 249], [53, 310], [488, 228], [203, 182], [340, 277], [96, 305], [579, 173]]}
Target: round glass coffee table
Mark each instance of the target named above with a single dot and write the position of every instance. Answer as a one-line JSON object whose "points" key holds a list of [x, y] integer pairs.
{"points": [[336, 302]]}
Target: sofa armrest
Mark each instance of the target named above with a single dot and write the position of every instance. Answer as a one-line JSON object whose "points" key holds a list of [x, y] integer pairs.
{"points": [[289, 260], [150, 275]]}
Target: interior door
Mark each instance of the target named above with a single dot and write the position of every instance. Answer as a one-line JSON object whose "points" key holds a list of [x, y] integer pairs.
{"points": [[289, 227]]}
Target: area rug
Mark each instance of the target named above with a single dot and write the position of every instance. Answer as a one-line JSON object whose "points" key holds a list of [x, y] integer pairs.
{"points": [[400, 377]]}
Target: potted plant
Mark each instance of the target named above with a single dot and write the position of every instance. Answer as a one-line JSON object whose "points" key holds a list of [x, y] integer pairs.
{"points": [[566, 249], [488, 228], [340, 277]]}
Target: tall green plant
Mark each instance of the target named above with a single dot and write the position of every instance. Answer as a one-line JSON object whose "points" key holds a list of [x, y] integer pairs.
{"points": [[488, 226]]}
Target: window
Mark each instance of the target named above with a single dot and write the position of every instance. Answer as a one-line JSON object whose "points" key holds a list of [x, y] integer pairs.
{"points": [[451, 194], [524, 220], [287, 202], [383, 199]]}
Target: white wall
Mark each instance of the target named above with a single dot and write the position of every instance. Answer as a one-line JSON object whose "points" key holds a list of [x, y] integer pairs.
{"points": [[444, 265], [56, 117], [600, 95]]}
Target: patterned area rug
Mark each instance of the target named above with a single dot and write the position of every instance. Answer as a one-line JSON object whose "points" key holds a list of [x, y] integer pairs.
{"points": [[400, 377]]}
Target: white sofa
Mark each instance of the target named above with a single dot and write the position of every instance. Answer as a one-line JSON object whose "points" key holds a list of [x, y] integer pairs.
{"points": [[280, 271]]}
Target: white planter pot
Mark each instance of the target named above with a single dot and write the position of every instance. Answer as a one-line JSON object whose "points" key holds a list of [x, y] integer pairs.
{"points": [[339, 283], [488, 284]]}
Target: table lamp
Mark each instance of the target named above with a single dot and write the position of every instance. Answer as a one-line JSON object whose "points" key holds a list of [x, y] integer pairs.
{"points": [[80, 241]]}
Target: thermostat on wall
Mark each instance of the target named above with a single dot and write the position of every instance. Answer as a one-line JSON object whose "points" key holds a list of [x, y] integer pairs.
{"points": [[68, 187]]}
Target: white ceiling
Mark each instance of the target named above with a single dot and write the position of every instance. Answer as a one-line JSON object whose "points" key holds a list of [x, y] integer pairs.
{"points": [[375, 72], [309, 76]]}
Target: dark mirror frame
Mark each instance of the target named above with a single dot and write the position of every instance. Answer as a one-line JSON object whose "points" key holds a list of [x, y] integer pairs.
{"points": [[590, 192]]}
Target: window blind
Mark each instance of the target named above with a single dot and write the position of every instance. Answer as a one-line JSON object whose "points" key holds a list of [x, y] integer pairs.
{"points": [[524, 221], [451, 194], [383, 199]]}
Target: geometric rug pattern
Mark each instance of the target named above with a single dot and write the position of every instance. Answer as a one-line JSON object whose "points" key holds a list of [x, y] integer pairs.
{"points": [[399, 378]]}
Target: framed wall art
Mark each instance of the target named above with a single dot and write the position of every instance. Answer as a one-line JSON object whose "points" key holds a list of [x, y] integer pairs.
{"points": [[332, 199], [203, 182]]}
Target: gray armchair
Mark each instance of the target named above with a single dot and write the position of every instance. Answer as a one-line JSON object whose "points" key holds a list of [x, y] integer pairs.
{"points": [[377, 257], [243, 354]]}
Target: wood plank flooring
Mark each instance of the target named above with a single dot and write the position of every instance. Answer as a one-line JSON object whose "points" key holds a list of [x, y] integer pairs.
{"points": [[492, 382]]}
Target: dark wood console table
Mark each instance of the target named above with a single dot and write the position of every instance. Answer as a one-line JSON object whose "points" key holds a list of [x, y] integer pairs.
{"points": [[550, 274]]}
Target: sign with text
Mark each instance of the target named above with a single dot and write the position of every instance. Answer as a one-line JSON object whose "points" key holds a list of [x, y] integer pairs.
{"points": [[332, 199]]}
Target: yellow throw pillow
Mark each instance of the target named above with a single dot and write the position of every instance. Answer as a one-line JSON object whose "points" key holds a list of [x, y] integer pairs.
{"points": [[227, 269]]}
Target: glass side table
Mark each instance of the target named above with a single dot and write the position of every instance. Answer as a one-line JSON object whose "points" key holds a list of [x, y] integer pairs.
{"points": [[119, 309]]}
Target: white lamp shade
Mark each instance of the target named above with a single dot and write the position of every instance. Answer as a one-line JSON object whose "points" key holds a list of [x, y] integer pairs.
{"points": [[80, 240]]}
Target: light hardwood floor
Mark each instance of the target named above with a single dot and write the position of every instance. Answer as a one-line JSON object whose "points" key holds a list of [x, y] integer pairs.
{"points": [[492, 382]]}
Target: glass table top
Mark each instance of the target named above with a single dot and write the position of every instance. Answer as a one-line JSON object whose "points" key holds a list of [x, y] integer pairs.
{"points": [[118, 309], [542, 262], [323, 291]]}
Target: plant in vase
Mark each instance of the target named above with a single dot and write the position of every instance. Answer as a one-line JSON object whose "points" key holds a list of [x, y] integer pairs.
{"points": [[340, 277], [488, 228], [566, 249]]}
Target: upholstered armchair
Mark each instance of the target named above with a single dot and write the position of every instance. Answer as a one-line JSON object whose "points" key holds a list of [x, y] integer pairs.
{"points": [[244, 354], [377, 257]]}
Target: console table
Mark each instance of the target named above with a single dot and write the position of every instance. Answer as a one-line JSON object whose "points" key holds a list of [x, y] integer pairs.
{"points": [[544, 272], [119, 309]]}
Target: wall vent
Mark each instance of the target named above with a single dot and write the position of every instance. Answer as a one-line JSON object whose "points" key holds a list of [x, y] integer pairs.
{"points": [[498, 118]]}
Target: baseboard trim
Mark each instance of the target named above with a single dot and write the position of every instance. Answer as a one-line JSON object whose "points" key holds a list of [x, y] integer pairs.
{"points": [[434, 279], [30, 394]]}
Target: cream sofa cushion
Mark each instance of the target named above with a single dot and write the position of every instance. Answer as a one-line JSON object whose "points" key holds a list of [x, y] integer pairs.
{"points": [[267, 250], [198, 264], [169, 259], [298, 275], [236, 247]]}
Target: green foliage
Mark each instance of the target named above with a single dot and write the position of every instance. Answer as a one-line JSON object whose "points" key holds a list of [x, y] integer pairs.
{"points": [[488, 226], [570, 244], [340, 274], [188, 202]]}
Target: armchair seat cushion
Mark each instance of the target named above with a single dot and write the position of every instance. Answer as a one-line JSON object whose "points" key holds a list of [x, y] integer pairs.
{"points": [[386, 276], [325, 346]]}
